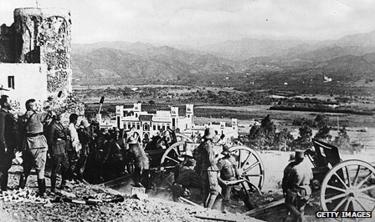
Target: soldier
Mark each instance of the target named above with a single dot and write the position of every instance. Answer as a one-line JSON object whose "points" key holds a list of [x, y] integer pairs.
{"points": [[185, 177], [207, 168], [228, 172], [141, 162], [74, 146], [84, 136], [8, 135], [114, 161], [36, 144], [295, 184], [58, 142]]}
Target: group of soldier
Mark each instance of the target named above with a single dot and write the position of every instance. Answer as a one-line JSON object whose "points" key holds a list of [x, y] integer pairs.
{"points": [[208, 170], [92, 153], [78, 151]]}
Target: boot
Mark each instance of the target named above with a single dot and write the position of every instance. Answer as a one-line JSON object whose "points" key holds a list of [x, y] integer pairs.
{"points": [[23, 181], [4, 181], [63, 180], [42, 187], [224, 203], [53, 183], [210, 200]]}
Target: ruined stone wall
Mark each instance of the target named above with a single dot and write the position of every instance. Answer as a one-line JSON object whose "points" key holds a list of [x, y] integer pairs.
{"points": [[44, 36], [6, 44]]}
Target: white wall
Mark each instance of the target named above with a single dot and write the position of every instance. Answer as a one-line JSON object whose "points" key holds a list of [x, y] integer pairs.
{"points": [[30, 81]]}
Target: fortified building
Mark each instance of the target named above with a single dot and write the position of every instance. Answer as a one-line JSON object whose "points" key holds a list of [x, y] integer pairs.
{"points": [[35, 59]]}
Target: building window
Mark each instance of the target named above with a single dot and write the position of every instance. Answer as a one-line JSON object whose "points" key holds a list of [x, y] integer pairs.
{"points": [[11, 82], [154, 127], [138, 126]]}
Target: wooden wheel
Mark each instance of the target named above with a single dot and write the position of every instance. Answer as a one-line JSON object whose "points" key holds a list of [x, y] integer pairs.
{"points": [[349, 186], [172, 156], [249, 164], [182, 137]]}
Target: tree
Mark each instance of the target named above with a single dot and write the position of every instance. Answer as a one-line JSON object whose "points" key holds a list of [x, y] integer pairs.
{"points": [[263, 136], [323, 128], [303, 141]]}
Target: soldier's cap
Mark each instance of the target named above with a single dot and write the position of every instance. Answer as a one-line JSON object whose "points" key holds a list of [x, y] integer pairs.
{"points": [[190, 162], [132, 141], [85, 123], [226, 150], [209, 133], [299, 154], [292, 157]]}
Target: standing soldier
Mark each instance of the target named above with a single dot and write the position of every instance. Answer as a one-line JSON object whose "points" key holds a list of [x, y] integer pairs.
{"points": [[8, 135], [228, 173], [207, 168], [141, 162], [295, 184], [35, 154], [74, 145], [57, 140]]}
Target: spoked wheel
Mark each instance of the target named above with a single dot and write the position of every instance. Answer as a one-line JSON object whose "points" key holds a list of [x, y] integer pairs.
{"points": [[173, 156], [249, 164], [182, 137], [349, 186]]}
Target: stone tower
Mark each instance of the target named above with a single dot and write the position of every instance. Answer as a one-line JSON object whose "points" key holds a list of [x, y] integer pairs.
{"points": [[44, 36]]}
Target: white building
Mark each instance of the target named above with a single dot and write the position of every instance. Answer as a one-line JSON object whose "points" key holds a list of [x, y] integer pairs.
{"points": [[229, 130], [22, 82], [152, 123]]}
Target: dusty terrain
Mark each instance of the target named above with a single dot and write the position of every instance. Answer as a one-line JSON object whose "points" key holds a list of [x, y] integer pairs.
{"points": [[60, 208]]}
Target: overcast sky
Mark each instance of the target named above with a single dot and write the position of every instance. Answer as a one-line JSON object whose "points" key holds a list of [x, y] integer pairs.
{"points": [[207, 21]]}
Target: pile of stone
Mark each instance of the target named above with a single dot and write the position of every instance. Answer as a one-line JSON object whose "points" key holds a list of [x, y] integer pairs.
{"points": [[84, 202]]}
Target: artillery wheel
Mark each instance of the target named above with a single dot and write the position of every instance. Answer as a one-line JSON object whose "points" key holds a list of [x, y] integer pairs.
{"points": [[349, 186], [249, 164], [172, 156], [182, 137]]}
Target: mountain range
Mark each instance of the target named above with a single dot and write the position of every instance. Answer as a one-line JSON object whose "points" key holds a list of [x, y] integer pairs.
{"points": [[347, 60]]}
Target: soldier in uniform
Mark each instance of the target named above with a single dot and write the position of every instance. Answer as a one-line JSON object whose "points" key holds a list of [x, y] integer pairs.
{"points": [[228, 172], [8, 135], [59, 156], [36, 144], [295, 184], [207, 169], [138, 156]]}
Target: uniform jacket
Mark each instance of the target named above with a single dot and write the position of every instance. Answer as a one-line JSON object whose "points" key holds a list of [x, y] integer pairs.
{"points": [[34, 125], [8, 131], [57, 138], [296, 176], [205, 156]]}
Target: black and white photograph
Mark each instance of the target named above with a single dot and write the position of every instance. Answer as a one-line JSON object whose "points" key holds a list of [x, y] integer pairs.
{"points": [[187, 110]]}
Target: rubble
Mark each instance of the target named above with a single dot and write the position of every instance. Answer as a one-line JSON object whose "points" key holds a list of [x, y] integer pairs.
{"points": [[84, 202]]}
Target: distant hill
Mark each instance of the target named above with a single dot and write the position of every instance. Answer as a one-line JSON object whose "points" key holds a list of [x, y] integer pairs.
{"points": [[260, 63], [144, 64]]}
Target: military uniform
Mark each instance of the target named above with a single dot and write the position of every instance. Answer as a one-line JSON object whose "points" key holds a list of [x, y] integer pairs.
{"points": [[227, 169], [295, 184], [35, 154], [58, 143], [8, 135], [208, 171]]}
